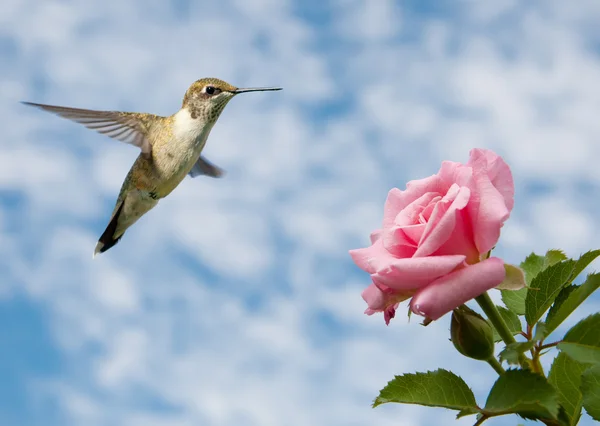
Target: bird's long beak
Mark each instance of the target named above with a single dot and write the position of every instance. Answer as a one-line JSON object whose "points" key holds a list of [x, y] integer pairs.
{"points": [[256, 89]]}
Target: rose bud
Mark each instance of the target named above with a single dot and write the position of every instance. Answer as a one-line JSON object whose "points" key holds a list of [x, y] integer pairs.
{"points": [[471, 334]]}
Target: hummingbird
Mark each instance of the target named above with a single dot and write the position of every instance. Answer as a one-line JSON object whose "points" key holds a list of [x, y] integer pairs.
{"points": [[170, 147]]}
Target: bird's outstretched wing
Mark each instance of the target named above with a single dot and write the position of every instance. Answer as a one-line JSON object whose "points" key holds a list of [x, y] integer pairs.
{"points": [[128, 127]]}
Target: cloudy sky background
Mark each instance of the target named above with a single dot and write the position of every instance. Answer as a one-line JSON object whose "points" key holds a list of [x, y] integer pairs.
{"points": [[235, 302]]}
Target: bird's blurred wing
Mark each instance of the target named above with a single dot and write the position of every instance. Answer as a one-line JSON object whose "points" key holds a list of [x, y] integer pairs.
{"points": [[205, 167]]}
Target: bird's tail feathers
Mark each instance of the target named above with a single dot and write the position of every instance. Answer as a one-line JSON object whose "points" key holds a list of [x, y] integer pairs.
{"points": [[108, 239]]}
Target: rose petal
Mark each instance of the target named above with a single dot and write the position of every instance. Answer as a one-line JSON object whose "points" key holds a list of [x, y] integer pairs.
{"points": [[393, 236], [375, 299], [396, 241], [461, 240], [454, 173], [412, 273], [384, 300], [398, 236], [397, 200], [379, 300], [414, 233], [498, 172], [365, 257], [488, 211], [410, 214], [443, 221], [428, 210], [458, 287], [375, 235]]}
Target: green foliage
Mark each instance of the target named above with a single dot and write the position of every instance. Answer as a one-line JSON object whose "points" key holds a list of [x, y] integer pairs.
{"points": [[590, 388], [560, 299], [440, 388], [544, 289], [584, 261], [540, 332], [569, 299], [548, 283], [573, 382], [582, 342], [512, 321], [580, 352], [515, 300], [534, 264], [565, 376], [511, 352], [522, 392]]}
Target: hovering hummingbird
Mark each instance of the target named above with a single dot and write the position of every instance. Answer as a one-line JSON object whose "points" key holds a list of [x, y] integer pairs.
{"points": [[170, 147]]}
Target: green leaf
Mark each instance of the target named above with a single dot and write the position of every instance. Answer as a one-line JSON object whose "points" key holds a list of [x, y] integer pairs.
{"points": [[515, 300], [590, 388], [440, 388], [582, 342], [534, 264], [545, 287], [466, 412], [553, 256], [511, 352], [565, 376], [524, 393], [563, 417], [547, 283], [560, 299], [584, 261], [589, 355], [540, 332], [569, 299], [512, 321]]}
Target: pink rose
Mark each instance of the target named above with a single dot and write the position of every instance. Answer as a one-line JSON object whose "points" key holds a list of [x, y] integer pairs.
{"points": [[435, 236]]}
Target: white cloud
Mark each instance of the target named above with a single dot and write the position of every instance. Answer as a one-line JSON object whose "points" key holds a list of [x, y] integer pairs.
{"points": [[368, 21], [234, 301]]}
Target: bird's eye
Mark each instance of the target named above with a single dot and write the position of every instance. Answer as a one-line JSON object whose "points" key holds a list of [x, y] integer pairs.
{"points": [[211, 90]]}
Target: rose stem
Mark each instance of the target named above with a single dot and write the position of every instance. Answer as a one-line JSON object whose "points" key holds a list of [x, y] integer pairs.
{"points": [[493, 362], [497, 321], [493, 315]]}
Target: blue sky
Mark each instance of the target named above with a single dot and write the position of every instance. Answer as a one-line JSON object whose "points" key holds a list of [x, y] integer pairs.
{"points": [[234, 302]]}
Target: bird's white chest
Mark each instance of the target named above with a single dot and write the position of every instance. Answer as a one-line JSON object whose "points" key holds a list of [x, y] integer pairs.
{"points": [[187, 141], [176, 158], [189, 133]]}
